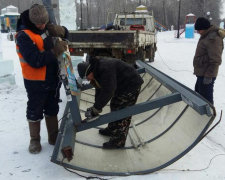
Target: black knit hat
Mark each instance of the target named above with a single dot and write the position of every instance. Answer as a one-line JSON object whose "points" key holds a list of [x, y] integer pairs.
{"points": [[83, 69], [38, 14], [202, 24]]}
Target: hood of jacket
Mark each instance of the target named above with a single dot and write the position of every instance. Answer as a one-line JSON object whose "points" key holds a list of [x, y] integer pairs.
{"points": [[214, 31], [221, 33]]}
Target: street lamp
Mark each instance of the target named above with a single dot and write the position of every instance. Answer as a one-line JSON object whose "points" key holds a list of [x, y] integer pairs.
{"points": [[178, 21], [81, 14]]}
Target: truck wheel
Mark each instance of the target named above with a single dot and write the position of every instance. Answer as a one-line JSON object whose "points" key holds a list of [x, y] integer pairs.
{"points": [[141, 54], [151, 53], [152, 57]]}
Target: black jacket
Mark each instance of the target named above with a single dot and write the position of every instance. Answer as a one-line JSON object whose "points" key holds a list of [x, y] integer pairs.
{"points": [[33, 56], [115, 77]]}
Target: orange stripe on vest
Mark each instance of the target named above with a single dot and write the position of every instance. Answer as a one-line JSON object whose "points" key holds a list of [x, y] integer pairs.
{"points": [[30, 73]]}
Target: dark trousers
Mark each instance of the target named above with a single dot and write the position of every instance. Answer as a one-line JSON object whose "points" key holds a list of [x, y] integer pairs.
{"points": [[120, 128], [206, 90], [40, 103]]}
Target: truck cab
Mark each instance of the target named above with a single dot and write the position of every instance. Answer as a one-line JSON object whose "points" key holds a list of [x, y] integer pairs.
{"points": [[141, 19]]}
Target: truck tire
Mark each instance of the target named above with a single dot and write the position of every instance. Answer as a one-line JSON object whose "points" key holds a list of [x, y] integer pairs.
{"points": [[150, 51], [152, 55], [141, 54]]}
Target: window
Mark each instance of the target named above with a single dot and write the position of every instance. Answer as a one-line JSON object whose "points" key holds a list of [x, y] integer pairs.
{"points": [[132, 21]]}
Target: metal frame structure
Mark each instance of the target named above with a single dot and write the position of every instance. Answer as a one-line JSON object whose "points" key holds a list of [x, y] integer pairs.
{"points": [[72, 122]]}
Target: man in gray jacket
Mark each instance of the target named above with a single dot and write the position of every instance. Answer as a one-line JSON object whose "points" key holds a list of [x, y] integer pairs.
{"points": [[208, 57]]}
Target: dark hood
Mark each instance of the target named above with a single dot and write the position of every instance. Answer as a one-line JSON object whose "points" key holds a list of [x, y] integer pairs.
{"points": [[25, 23]]}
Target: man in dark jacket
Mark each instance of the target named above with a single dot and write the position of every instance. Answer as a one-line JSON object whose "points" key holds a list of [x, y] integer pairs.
{"points": [[38, 59], [208, 57], [117, 81]]}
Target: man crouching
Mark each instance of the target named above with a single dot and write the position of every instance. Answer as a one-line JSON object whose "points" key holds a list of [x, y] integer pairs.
{"points": [[113, 80]]}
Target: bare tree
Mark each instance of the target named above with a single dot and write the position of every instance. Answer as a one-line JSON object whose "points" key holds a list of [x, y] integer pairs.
{"points": [[98, 12]]}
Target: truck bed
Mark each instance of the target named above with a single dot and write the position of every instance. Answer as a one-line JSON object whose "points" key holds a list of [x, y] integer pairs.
{"points": [[84, 41], [101, 36], [102, 39]]}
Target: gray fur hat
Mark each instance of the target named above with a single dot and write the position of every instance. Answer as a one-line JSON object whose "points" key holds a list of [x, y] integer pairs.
{"points": [[38, 14]]}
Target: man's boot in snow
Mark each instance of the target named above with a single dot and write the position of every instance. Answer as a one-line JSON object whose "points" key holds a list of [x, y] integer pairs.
{"points": [[106, 132], [52, 127], [35, 146], [115, 143]]}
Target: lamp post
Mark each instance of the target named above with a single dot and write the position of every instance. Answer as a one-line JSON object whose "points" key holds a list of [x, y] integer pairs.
{"points": [[81, 14], [178, 21], [87, 5]]}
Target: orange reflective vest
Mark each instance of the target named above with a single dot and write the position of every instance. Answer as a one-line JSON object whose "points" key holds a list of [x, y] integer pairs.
{"points": [[7, 22], [30, 73]]}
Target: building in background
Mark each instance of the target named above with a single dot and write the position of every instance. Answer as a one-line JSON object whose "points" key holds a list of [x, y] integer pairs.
{"points": [[22, 5], [9, 17]]}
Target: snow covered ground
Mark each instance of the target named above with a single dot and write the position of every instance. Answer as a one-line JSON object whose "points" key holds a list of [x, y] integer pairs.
{"points": [[174, 57]]}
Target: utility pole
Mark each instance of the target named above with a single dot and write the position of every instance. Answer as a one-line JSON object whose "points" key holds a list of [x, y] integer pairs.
{"points": [[81, 14], [178, 21], [87, 4], [204, 9], [164, 13]]}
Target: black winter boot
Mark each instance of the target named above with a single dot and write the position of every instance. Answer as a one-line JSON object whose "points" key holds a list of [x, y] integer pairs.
{"points": [[35, 145], [52, 127], [114, 143], [106, 132]]}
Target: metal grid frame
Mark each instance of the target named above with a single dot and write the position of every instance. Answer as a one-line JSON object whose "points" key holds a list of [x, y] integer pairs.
{"points": [[72, 122]]}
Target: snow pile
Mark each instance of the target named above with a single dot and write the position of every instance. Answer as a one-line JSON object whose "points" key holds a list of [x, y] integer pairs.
{"points": [[6, 64]]}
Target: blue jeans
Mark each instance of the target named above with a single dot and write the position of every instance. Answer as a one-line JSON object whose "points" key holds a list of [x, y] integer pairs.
{"points": [[206, 90]]}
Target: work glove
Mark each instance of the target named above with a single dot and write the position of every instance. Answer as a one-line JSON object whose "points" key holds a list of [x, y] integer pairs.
{"points": [[79, 82], [207, 80], [59, 47], [56, 30], [92, 112]]}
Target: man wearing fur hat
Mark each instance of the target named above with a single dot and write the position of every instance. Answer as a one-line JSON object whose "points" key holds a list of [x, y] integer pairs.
{"points": [[208, 57], [38, 59]]}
